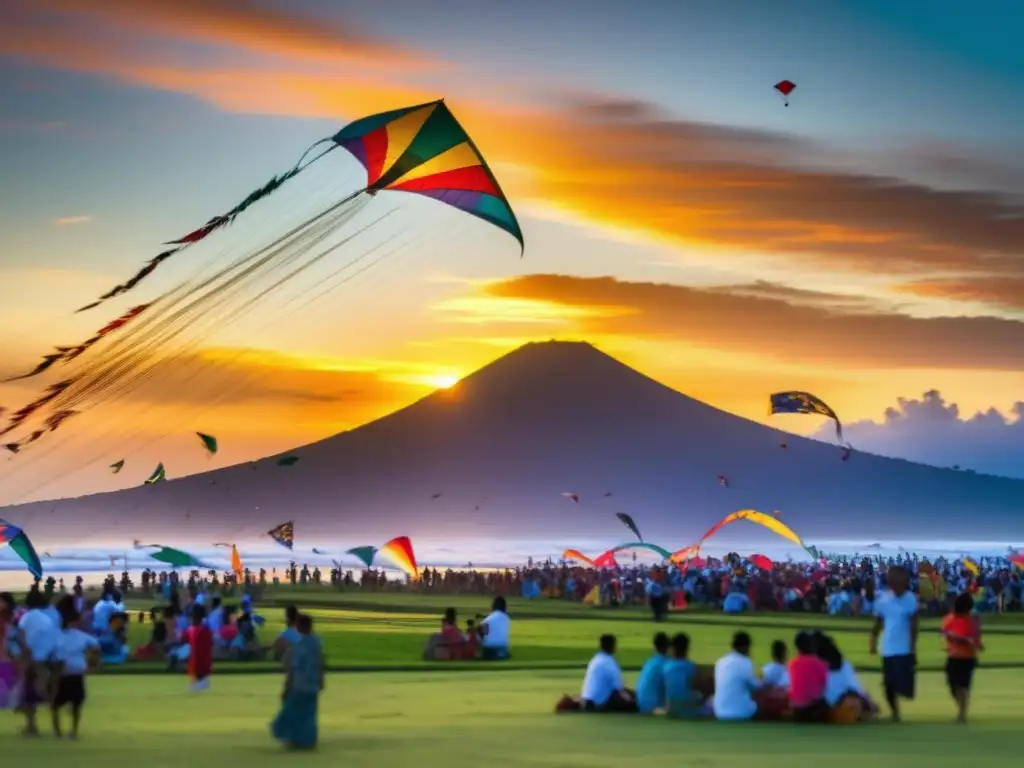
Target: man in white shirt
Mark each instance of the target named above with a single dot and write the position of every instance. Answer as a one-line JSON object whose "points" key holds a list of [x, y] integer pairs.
{"points": [[896, 619], [603, 690], [735, 682], [495, 632]]}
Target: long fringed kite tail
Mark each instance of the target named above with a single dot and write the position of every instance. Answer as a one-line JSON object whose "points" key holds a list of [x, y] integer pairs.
{"points": [[211, 226], [67, 354]]}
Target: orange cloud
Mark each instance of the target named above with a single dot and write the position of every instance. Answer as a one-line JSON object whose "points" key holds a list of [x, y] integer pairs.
{"points": [[781, 329], [1006, 292], [243, 24]]}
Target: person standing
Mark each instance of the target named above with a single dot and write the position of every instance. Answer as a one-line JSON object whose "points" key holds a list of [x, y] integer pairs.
{"points": [[896, 620], [296, 723]]}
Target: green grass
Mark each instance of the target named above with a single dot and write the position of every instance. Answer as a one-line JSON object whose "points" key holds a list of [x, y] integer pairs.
{"points": [[501, 715], [387, 631], [497, 720]]}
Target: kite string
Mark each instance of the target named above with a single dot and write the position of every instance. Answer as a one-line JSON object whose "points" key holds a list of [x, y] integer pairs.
{"points": [[230, 319]]}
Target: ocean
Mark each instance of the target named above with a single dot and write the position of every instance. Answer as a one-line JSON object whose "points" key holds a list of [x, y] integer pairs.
{"points": [[94, 563]]}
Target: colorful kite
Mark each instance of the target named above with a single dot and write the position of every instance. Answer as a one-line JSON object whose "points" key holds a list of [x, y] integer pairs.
{"points": [[762, 562], [572, 554], [664, 553], [759, 518], [803, 402], [365, 554], [209, 442], [15, 538], [283, 534], [970, 565], [236, 564], [785, 87], [424, 150], [159, 475], [606, 560], [680, 556], [399, 549], [420, 149], [628, 521], [177, 558]]}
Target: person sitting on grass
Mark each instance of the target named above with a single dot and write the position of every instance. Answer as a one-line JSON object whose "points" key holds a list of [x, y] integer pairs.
{"points": [[774, 674], [603, 690], [683, 699], [962, 633], [650, 686], [495, 631], [808, 676], [847, 700], [739, 692], [245, 646], [449, 644]]}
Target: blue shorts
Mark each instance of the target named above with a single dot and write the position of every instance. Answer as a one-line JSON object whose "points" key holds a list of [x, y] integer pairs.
{"points": [[899, 673]]}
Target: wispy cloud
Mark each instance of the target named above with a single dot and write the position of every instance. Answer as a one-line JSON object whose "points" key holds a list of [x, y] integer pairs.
{"points": [[783, 329], [67, 221]]}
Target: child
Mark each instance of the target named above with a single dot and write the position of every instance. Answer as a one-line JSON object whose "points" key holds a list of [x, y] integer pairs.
{"points": [[200, 642], [76, 652], [650, 686], [774, 673], [962, 632]]}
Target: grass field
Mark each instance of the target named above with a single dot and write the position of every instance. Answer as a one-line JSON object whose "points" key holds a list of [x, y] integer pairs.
{"points": [[501, 715]]}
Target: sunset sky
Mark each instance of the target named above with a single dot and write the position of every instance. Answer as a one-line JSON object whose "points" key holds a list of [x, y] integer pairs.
{"points": [[866, 243]]}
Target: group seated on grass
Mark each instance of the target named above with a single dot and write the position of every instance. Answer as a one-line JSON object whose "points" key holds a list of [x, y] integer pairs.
{"points": [[486, 637], [817, 685]]}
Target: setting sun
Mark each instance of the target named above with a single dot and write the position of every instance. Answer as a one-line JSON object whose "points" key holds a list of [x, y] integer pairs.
{"points": [[443, 382]]}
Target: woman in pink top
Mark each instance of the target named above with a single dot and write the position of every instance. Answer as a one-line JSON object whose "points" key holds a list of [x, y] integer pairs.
{"points": [[808, 676]]}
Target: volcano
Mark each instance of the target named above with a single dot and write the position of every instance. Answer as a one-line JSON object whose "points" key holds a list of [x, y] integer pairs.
{"points": [[492, 457]]}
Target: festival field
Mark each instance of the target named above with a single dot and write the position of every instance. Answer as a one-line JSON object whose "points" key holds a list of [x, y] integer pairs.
{"points": [[388, 630], [408, 712]]}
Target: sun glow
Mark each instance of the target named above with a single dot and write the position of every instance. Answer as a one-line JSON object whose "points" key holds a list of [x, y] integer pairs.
{"points": [[443, 381]]}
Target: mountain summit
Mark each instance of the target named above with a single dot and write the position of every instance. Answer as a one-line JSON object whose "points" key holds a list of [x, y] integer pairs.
{"points": [[502, 445]]}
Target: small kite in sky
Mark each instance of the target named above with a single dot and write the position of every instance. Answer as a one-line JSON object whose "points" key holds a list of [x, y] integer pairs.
{"points": [[608, 494], [209, 442], [436, 496], [117, 466], [803, 402], [723, 481], [284, 534], [159, 475], [847, 451], [574, 497], [286, 461], [627, 521], [785, 87]]}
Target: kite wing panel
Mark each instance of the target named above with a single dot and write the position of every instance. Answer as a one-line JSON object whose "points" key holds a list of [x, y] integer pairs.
{"points": [[425, 150], [399, 549]]}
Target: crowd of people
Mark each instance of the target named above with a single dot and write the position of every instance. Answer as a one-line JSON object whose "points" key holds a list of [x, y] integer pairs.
{"points": [[55, 637], [816, 685]]}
